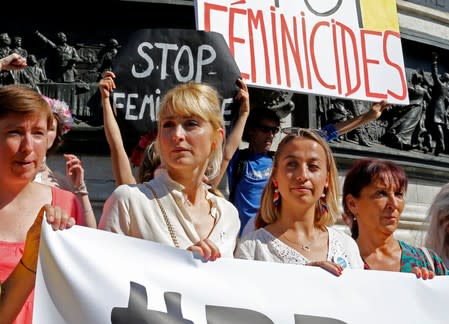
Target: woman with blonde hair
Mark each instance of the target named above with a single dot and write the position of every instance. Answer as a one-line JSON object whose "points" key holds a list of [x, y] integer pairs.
{"points": [[299, 204], [175, 207], [437, 237]]}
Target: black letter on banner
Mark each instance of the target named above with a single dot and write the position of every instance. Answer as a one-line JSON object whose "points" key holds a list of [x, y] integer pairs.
{"points": [[137, 312], [230, 315], [324, 13]]}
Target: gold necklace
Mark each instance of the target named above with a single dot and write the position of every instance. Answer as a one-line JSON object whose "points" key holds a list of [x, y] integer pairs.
{"points": [[171, 231], [305, 247]]}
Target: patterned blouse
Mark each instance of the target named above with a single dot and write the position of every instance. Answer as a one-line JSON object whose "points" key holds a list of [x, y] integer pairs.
{"points": [[261, 245], [414, 257]]}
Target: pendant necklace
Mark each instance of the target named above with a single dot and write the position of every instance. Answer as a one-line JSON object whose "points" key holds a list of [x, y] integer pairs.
{"points": [[305, 247]]}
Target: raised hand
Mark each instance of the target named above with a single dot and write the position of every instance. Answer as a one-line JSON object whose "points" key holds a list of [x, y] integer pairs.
{"points": [[107, 84], [74, 170], [243, 97], [13, 62]]}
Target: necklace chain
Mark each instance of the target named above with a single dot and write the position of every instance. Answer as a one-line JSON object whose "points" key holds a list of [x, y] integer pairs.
{"points": [[305, 247], [164, 214]]}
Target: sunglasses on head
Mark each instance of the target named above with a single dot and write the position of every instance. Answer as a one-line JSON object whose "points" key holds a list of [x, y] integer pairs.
{"points": [[268, 129]]}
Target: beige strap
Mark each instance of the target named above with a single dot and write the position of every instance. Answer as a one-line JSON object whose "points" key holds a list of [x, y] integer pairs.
{"points": [[164, 214], [428, 257]]}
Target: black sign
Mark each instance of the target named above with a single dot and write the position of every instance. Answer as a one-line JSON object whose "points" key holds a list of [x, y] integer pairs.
{"points": [[155, 60]]}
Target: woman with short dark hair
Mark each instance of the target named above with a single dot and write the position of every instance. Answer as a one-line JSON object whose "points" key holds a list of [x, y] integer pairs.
{"points": [[374, 199]]}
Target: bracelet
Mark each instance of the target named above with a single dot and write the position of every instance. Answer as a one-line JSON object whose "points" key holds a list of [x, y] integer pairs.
{"points": [[26, 267], [88, 210], [81, 190]]}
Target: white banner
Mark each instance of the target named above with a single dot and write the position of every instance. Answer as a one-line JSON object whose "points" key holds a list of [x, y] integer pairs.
{"points": [[90, 276], [338, 48]]}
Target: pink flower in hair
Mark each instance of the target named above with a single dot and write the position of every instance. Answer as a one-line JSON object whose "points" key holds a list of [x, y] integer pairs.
{"points": [[60, 108]]}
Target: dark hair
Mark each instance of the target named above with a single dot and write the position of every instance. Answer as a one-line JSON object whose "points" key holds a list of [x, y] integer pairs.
{"points": [[256, 116], [363, 173]]}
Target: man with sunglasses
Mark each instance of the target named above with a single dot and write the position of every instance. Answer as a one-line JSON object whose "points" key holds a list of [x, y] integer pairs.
{"points": [[249, 169]]}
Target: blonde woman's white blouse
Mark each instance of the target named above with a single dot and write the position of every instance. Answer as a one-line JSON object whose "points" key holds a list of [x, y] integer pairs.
{"points": [[132, 210]]}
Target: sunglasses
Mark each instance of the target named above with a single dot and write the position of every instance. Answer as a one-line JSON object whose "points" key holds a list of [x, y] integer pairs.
{"points": [[268, 129]]}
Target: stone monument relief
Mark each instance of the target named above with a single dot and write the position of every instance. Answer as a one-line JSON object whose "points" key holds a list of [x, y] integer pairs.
{"points": [[66, 71], [421, 126]]}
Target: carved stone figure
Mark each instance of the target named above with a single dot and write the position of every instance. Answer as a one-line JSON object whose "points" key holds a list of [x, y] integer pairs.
{"points": [[33, 74], [406, 127], [5, 43], [6, 77], [436, 116], [64, 59], [17, 47], [106, 55]]}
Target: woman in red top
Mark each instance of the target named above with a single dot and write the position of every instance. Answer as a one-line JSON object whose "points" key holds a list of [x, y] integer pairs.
{"points": [[24, 121]]}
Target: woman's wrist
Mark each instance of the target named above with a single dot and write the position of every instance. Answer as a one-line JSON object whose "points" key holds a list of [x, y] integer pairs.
{"points": [[27, 267], [81, 190]]}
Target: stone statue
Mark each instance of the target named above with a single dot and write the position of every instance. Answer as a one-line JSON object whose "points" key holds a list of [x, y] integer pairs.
{"points": [[17, 47], [436, 117], [64, 59], [33, 74], [6, 77], [5, 43], [406, 127], [106, 55]]}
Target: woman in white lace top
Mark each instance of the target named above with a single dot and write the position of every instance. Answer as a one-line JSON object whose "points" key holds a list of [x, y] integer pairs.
{"points": [[299, 204]]}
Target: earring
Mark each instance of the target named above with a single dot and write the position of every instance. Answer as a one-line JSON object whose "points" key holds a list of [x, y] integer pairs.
{"points": [[324, 209], [276, 196]]}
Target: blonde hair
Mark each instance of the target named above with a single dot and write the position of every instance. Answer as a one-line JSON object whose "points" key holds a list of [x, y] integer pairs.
{"points": [[268, 213], [202, 101], [437, 237]]}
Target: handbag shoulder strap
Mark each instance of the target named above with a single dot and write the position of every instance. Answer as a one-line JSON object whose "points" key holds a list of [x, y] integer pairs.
{"points": [[164, 214]]}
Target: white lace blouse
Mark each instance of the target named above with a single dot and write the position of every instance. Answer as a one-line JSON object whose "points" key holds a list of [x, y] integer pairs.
{"points": [[263, 246]]}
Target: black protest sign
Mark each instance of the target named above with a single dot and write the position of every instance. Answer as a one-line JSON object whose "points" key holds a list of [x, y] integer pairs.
{"points": [[155, 60]]}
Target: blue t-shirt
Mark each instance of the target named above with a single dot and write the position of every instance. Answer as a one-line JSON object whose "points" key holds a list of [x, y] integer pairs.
{"points": [[249, 188]]}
